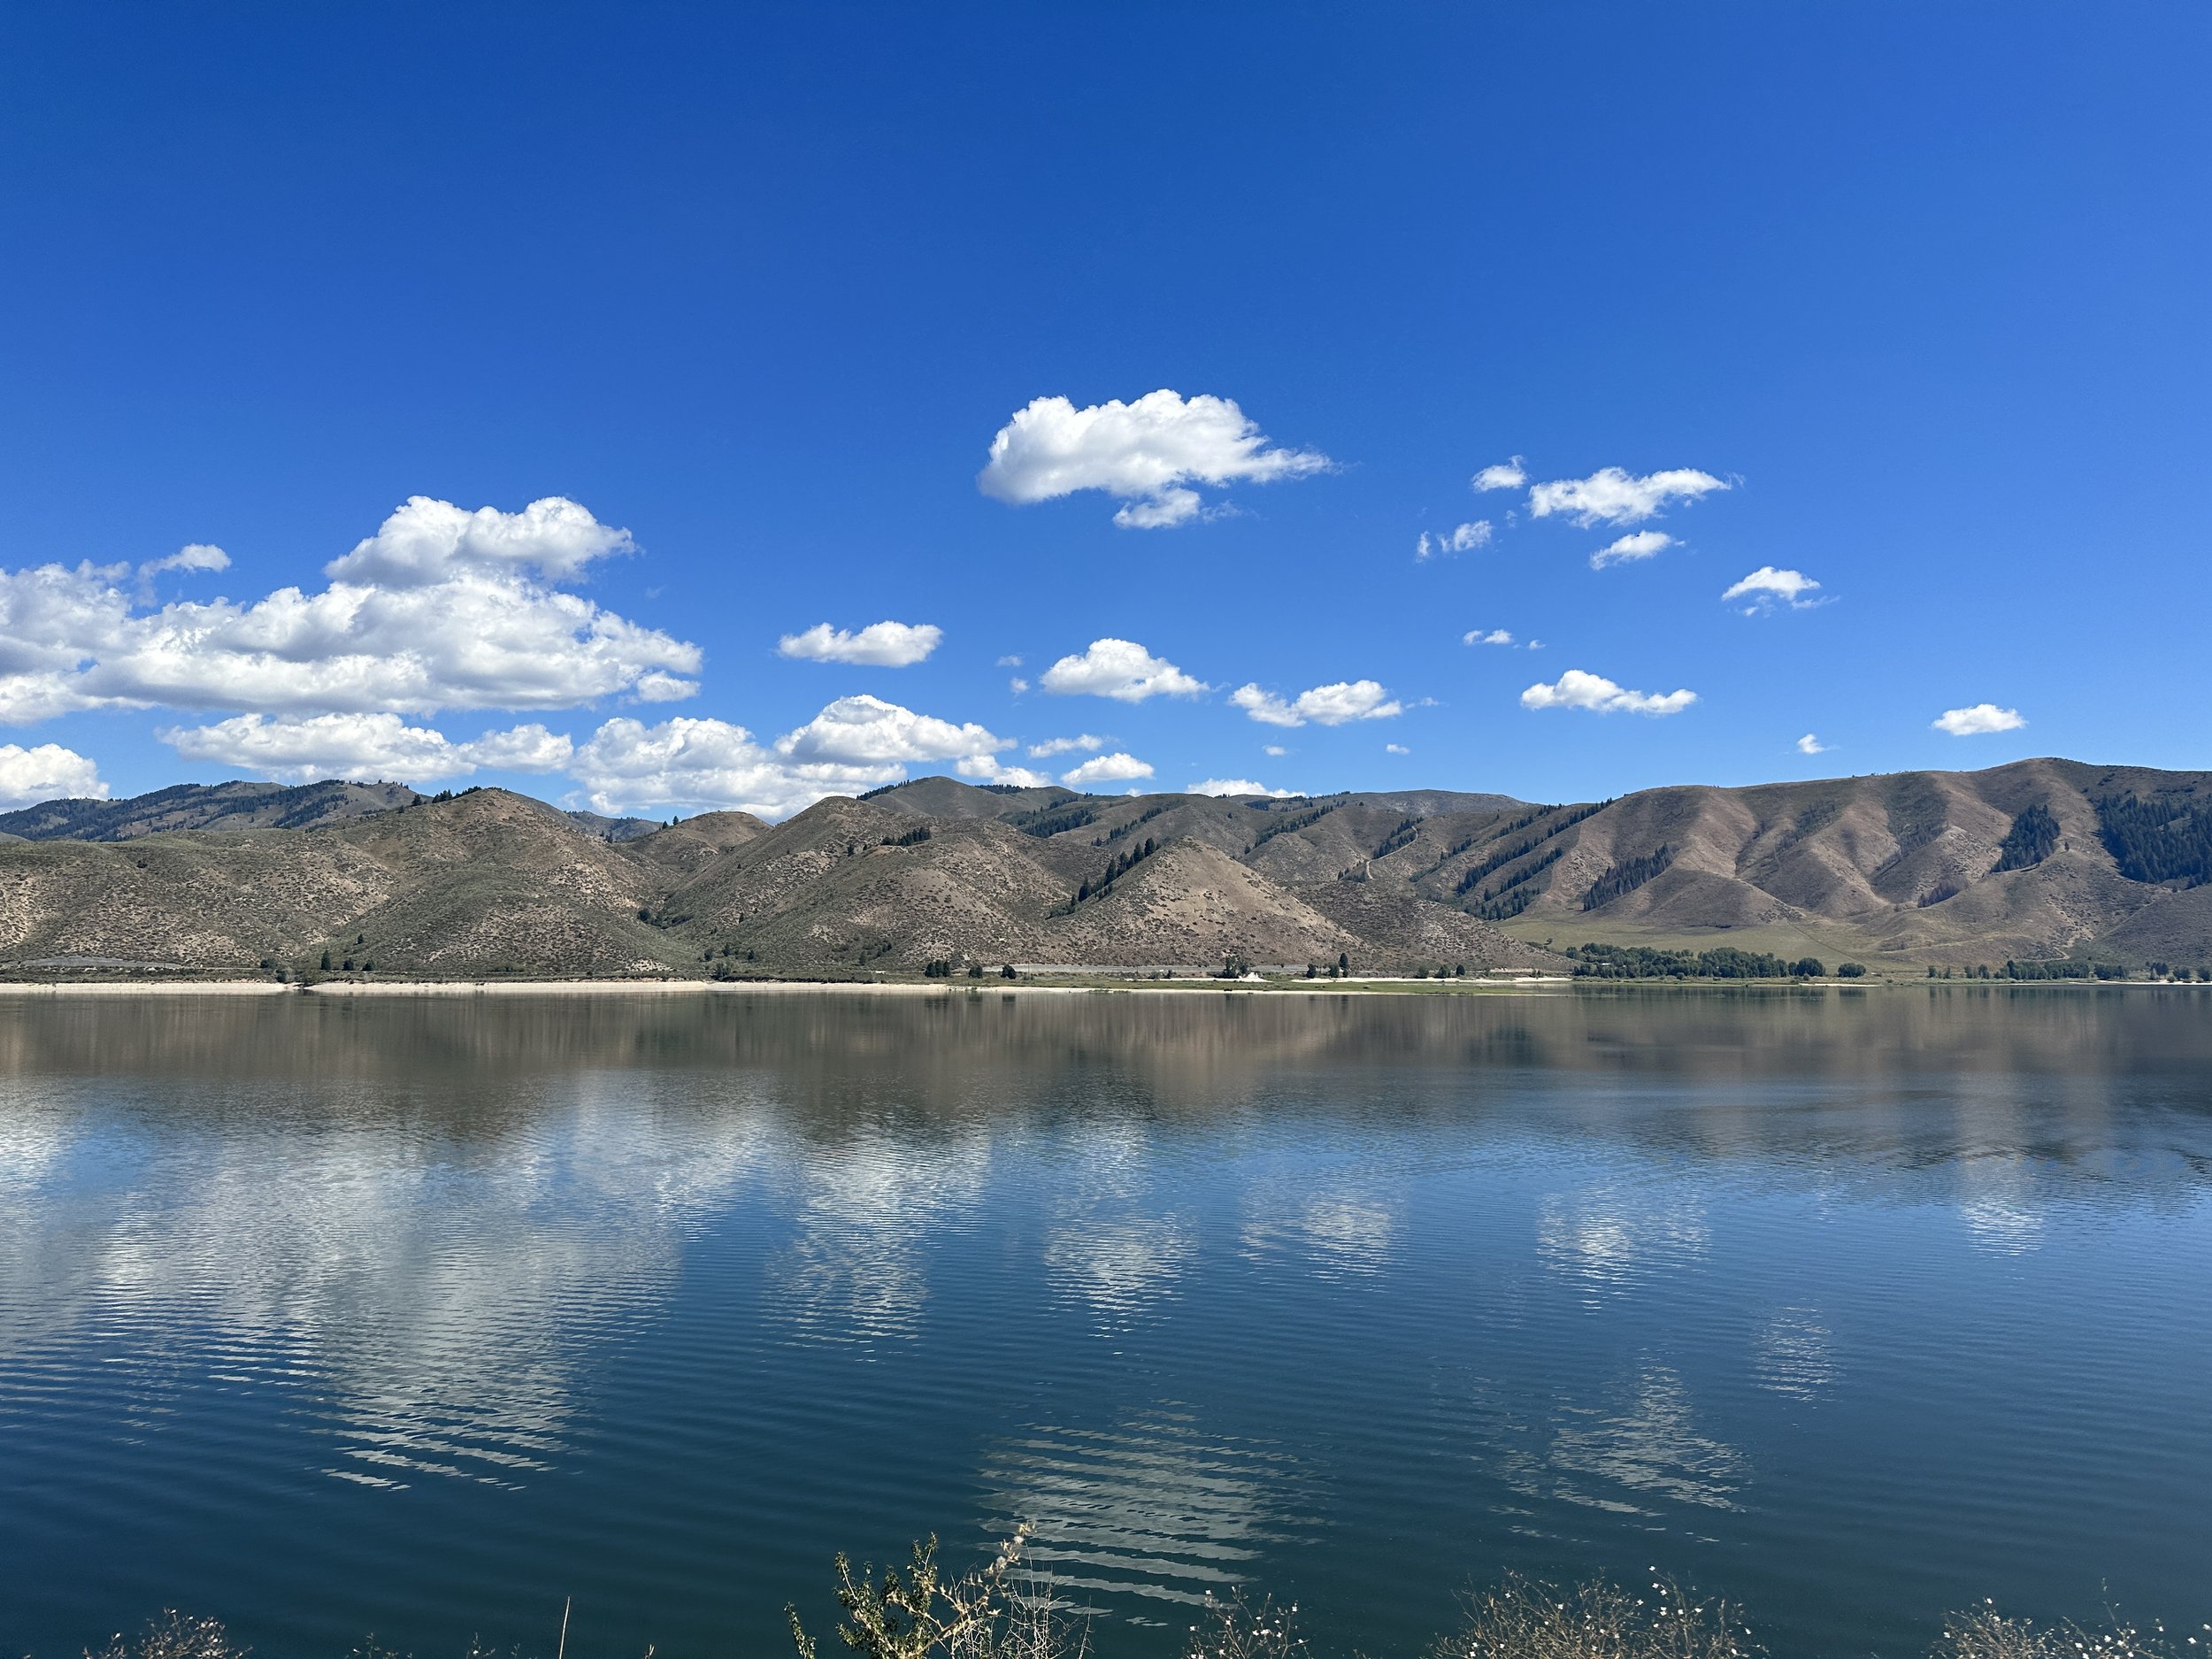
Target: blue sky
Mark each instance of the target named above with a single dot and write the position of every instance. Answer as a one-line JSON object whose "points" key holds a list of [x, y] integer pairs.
{"points": [[1918, 291]]}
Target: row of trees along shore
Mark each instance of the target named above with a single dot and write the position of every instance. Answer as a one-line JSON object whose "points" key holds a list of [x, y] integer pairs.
{"points": [[1724, 962]]}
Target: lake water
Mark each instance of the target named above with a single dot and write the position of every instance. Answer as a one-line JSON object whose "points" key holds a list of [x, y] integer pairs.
{"points": [[420, 1317]]}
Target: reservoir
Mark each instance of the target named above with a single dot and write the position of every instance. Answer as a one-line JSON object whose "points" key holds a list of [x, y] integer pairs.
{"points": [[425, 1316]]}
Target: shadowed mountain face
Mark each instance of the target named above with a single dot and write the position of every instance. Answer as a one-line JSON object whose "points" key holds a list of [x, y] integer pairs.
{"points": [[2038, 860], [198, 806], [242, 805], [2033, 861]]}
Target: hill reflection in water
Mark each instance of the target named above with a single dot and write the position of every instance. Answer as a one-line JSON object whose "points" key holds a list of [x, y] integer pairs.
{"points": [[657, 1301]]}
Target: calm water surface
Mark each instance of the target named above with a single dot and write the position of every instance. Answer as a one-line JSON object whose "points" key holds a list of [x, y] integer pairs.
{"points": [[418, 1318]]}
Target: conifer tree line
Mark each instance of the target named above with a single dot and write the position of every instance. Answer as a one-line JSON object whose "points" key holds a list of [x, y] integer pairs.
{"points": [[1143, 818], [1049, 821], [1513, 903], [2158, 840], [1497, 861], [1287, 826], [1626, 875], [1513, 895], [1408, 828], [1117, 867], [2032, 838]]}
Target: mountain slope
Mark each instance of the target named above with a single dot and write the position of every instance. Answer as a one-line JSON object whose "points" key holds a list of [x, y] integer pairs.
{"points": [[2038, 860], [197, 806], [486, 881], [1903, 864]]}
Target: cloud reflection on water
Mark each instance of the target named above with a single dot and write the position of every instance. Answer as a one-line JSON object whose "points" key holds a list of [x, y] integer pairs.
{"points": [[1608, 1240], [1794, 1355], [429, 1228], [856, 1269], [418, 1311], [1153, 1507]]}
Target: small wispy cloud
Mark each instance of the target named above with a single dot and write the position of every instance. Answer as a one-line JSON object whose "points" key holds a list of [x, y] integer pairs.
{"points": [[1614, 496], [1767, 588], [1083, 743], [1396, 749], [1641, 544], [1494, 636], [1809, 744], [1505, 475], [1465, 539]]}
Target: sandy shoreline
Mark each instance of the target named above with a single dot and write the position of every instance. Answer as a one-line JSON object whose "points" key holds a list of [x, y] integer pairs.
{"points": [[1531, 985], [736, 987]]}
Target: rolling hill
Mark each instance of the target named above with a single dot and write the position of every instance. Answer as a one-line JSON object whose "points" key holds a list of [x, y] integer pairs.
{"points": [[2041, 860]]}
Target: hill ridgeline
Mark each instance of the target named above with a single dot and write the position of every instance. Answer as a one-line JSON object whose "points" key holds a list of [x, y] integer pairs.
{"points": [[2038, 862]]}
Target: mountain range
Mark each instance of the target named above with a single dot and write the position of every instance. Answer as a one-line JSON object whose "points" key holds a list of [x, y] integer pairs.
{"points": [[2037, 861]]}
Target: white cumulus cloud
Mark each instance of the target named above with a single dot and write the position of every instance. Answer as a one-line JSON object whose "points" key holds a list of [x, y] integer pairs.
{"points": [[440, 609], [1084, 743], [866, 731], [878, 645], [1576, 689], [1613, 495], [1505, 475], [1115, 768], [1336, 705], [627, 766], [1235, 786], [47, 771], [427, 542], [1120, 669], [1465, 539], [1981, 719], [1496, 636], [1767, 587], [1145, 453], [1396, 749], [1273, 751], [1641, 544], [194, 557], [303, 750], [854, 744], [1809, 744], [990, 769]]}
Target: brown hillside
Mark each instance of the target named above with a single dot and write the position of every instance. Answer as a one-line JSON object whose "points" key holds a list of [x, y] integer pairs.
{"points": [[1191, 903], [1902, 865], [1898, 870]]}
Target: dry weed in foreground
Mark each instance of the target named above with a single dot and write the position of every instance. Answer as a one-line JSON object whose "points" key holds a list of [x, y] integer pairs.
{"points": [[920, 1613], [1520, 1619], [1983, 1632], [175, 1635], [1236, 1629]]}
